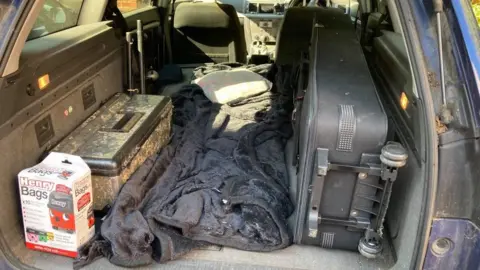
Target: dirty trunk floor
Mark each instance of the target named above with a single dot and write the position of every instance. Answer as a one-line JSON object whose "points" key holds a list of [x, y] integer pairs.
{"points": [[293, 257]]}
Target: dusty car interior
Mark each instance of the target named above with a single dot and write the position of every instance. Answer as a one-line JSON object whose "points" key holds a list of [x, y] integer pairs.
{"points": [[92, 56]]}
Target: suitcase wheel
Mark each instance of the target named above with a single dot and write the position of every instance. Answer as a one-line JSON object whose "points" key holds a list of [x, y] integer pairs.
{"points": [[394, 155], [370, 248]]}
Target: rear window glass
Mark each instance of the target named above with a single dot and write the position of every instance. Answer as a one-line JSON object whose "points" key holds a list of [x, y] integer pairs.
{"points": [[130, 5], [476, 10], [56, 15]]}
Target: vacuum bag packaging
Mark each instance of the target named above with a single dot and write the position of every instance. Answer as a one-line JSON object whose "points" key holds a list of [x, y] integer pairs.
{"points": [[57, 209]]}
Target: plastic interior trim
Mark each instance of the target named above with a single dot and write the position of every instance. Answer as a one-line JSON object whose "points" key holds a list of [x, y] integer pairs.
{"points": [[14, 57]]}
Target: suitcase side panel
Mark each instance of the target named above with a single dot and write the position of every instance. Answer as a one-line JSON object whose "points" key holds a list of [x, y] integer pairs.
{"points": [[351, 120], [344, 115]]}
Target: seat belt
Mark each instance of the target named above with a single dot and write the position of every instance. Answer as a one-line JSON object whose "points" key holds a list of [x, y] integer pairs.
{"points": [[165, 34], [170, 16], [113, 13], [232, 56], [171, 28], [167, 39], [383, 10]]}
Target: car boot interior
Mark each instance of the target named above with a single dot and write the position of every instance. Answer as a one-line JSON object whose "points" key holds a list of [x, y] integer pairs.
{"points": [[88, 64]]}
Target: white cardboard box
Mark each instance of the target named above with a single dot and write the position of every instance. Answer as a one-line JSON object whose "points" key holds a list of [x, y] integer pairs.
{"points": [[56, 198]]}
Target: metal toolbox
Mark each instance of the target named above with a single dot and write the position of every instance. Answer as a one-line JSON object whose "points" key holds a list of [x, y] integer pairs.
{"points": [[117, 139]]}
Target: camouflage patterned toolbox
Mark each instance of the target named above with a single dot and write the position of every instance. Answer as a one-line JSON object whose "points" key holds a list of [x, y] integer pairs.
{"points": [[117, 139]]}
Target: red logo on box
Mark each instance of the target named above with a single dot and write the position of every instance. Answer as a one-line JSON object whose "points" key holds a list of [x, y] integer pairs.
{"points": [[83, 201], [63, 189]]}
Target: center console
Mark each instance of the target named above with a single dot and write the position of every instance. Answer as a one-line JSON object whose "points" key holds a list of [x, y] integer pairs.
{"points": [[261, 23]]}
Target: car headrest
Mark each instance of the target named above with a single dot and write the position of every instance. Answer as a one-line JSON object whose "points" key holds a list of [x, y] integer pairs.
{"points": [[203, 15]]}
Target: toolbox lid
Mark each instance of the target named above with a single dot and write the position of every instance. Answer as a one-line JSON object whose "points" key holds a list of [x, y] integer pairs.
{"points": [[109, 139]]}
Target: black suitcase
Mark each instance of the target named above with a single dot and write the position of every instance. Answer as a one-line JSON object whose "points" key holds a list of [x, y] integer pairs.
{"points": [[346, 167]]}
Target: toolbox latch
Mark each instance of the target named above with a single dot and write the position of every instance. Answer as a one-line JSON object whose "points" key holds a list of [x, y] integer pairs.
{"points": [[125, 123]]}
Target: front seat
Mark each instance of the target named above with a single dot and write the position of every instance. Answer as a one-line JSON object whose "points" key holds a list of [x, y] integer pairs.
{"points": [[206, 33]]}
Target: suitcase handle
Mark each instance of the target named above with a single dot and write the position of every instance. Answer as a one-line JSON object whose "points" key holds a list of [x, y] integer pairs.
{"points": [[127, 122]]}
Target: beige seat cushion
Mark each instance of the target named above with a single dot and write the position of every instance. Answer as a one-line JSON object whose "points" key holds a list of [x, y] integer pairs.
{"points": [[232, 85]]}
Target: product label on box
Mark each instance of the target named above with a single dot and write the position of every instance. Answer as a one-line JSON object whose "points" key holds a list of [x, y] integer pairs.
{"points": [[57, 208]]}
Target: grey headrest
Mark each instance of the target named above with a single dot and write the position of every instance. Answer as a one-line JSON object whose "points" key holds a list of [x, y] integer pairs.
{"points": [[203, 15]]}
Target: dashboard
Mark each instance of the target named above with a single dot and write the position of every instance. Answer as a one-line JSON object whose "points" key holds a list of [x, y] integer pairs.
{"points": [[261, 23], [264, 7], [258, 6]]}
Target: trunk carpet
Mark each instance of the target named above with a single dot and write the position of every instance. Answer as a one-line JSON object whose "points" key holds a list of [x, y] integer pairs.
{"points": [[293, 257], [221, 180]]}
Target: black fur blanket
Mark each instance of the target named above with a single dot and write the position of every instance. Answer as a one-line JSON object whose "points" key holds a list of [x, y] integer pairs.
{"points": [[221, 180]]}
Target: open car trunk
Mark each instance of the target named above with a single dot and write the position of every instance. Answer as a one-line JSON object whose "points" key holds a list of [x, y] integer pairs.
{"points": [[96, 60]]}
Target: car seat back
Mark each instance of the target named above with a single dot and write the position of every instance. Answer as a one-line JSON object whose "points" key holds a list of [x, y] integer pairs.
{"points": [[207, 32]]}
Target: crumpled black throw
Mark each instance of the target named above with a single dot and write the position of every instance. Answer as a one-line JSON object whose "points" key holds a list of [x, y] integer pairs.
{"points": [[221, 180]]}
